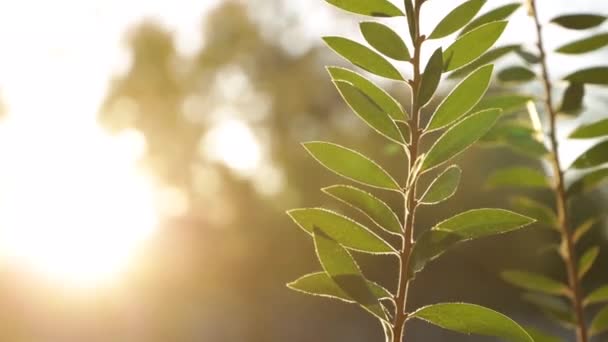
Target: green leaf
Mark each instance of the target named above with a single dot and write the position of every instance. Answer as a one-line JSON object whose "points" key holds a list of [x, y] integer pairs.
{"points": [[553, 307], [599, 295], [428, 247], [535, 282], [457, 18], [488, 57], [385, 40], [572, 102], [347, 232], [363, 57], [472, 45], [589, 131], [375, 93], [588, 182], [583, 229], [374, 8], [462, 99], [586, 261], [579, 21], [499, 13], [536, 210], [599, 324], [595, 156], [592, 43], [518, 177], [540, 336], [527, 56], [507, 103], [473, 319], [516, 74], [369, 111], [379, 212], [594, 75], [345, 272], [321, 284], [478, 223], [517, 137], [459, 137], [406, 132], [430, 78], [352, 165], [443, 187], [411, 20]]}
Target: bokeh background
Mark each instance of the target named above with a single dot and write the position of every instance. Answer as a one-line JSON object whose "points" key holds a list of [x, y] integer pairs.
{"points": [[149, 150]]}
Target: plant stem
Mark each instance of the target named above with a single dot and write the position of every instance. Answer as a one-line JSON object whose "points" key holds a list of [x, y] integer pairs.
{"points": [[410, 192], [569, 253]]}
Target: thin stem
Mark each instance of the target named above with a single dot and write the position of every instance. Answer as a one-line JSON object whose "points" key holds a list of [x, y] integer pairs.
{"points": [[410, 191], [569, 254]]}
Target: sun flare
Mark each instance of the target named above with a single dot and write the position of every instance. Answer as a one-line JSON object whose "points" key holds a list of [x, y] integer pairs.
{"points": [[74, 207]]}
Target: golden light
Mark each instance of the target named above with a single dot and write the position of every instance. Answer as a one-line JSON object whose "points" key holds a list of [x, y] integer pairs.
{"points": [[74, 208]]}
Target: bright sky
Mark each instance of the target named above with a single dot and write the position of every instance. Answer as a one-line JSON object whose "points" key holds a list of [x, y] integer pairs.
{"points": [[61, 174]]}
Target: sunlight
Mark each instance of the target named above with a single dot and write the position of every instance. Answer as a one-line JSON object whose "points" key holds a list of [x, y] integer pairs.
{"points": [[74, 208], [233, 143]]}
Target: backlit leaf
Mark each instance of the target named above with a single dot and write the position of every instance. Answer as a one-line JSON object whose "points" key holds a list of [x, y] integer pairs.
{"points": [[499, 13], [430, 78], [377, 94], [375, 8], [363, 57], [535, 282], [594, 75], [483, 222], [518, 177], [588, 182], [599, 324], [488, 57], [409, 12], [385, 40], [595, 156], [320, 284], [347, 232], [459, 137], [586, 261], [583, 229], [443, 187], [473, 319], [429, 246], [536, 210], [599, 295], [457, 18], [369, 111], [553, 307], [507, 103], [593, 130], [585, 45], [472, 45], [516, 74], [572, 102], [378, 211], [344, 271], [579, 21], [462, 99], [352, 165]]}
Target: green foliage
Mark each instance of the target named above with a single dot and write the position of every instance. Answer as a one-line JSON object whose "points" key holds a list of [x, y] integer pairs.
{"points": [[457, 19], [579, 21], [472, 45], [385, 40], [540, 142], [363, 57], [462, 99], [473, 319], [336, 234]]}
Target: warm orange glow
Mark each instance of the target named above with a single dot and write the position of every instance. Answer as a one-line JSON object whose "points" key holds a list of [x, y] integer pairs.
{"points": [[74, 207]]}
